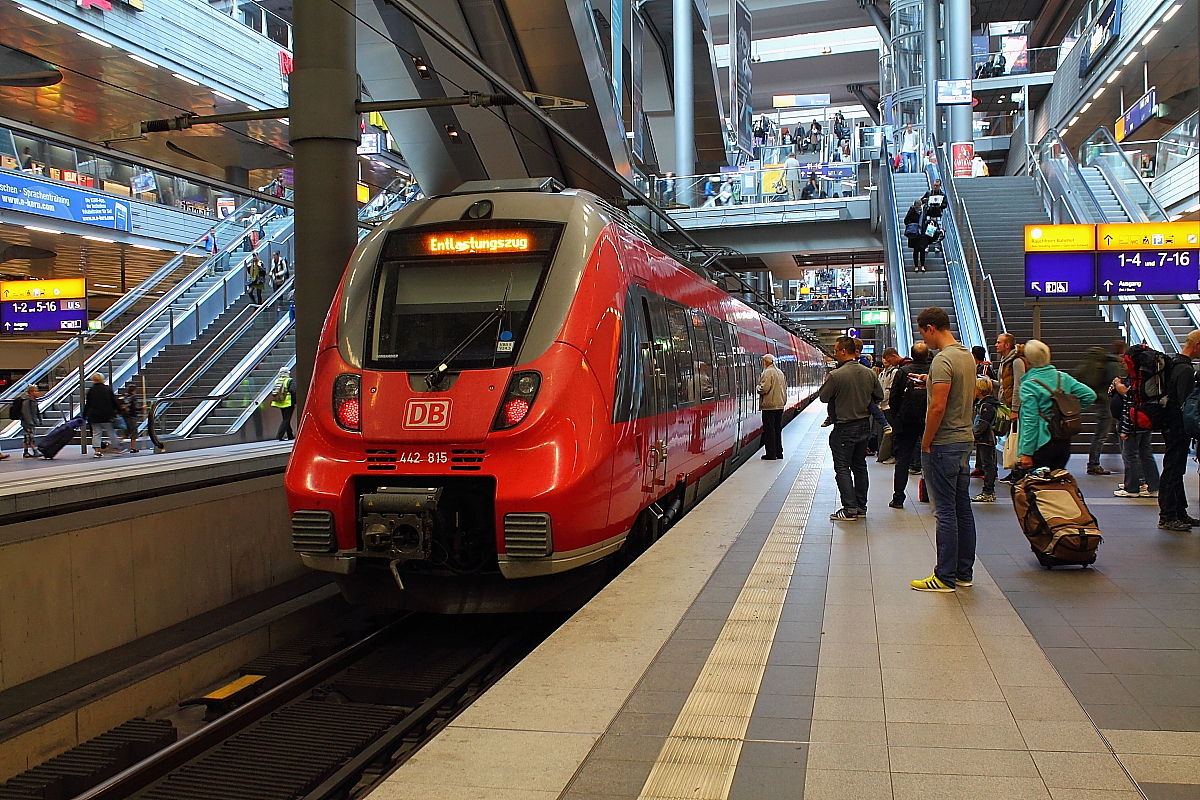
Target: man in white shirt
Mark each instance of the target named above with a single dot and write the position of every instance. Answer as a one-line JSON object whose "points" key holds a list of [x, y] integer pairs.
{"points": [[791, 174], [910, 145]]}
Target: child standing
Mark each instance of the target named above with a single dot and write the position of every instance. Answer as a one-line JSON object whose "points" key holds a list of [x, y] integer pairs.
{"points": [[986, 409]]}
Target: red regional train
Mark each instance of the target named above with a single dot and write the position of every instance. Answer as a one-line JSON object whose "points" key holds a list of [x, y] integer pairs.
{"points": [[513, 391]]}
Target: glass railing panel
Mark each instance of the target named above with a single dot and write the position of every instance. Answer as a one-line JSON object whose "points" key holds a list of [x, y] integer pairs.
{"points": [[1177, 145], [1102, 151]]}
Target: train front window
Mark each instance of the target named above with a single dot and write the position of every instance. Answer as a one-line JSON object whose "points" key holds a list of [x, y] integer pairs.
{"points": [[427, 303]]}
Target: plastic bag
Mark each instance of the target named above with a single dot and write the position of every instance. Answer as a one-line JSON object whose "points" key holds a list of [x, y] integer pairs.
{"points": [[1008, 456]]}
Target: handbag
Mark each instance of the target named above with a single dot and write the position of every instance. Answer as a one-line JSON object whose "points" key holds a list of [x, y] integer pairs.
{"points": [[1008, 456], [896, 161]]}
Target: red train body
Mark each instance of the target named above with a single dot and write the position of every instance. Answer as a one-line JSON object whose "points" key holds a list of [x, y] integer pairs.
{"points": [[510, 389]]}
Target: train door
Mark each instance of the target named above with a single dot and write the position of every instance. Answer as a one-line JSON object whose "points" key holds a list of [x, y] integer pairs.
{"points": [[653, 417], [736, 356]]}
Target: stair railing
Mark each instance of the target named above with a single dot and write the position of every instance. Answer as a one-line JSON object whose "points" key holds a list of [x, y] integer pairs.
{"points": [[1100, 150], [966, 306], [894, 255]]}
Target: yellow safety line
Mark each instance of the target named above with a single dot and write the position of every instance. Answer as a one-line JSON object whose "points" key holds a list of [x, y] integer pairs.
{"points": [[700, 755]]}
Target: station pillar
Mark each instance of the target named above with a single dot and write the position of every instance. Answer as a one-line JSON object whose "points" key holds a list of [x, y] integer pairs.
{"points": [[958, 64], [685, 123], [931, 58], [324, 134]]}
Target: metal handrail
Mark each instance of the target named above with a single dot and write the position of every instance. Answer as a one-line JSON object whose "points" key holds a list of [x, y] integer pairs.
{"points": [[897, 287], [1068, 194], [977, 274], [966, 307], [1106, 140], [1003, 328]]}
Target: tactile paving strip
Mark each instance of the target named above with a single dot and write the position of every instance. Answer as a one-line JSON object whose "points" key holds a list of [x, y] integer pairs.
{"points": [[700, 755]]}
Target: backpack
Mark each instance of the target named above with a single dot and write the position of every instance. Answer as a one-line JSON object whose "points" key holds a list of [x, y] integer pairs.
{"points": [[279, 392], [912, 229], [1066, 412], [1001, 423], [1148, 372], [16, 407], [916, 398], [1191, 415]]}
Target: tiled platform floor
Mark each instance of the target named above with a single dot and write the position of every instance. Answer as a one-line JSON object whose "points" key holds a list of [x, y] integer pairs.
{"points": [[664, 686]]}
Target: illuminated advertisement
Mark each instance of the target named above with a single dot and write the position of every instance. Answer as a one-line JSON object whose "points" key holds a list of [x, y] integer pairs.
{"points": [[1099, 36], [32, 196], [741, 74], [954, 93]]}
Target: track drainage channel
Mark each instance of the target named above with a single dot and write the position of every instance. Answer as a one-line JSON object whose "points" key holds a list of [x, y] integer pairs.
{"points": [[339, 726]]}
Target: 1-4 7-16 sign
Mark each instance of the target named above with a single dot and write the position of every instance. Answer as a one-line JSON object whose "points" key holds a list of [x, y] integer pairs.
{"points": [[1119, 259]]}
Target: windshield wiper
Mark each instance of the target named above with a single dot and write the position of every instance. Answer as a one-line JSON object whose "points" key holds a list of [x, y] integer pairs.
{"points": [[435, 377]]}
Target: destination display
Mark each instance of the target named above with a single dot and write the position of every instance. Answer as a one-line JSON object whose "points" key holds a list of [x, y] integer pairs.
{"points": [[1060, 260], [43, 306], [1148, 258]]}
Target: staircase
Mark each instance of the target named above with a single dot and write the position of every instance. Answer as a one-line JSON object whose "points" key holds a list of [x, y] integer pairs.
{"points": [[930, 288], [222, 418], [1104, 194]]}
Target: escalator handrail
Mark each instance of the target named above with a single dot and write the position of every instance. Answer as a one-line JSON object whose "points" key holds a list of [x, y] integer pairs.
{"points": [[966, 307], [259, 399], [1078, 212], [1118, 185], [897, 288]]}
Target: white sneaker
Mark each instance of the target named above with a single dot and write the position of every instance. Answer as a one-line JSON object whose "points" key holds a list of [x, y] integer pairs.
{"points": [[1147, 493], [1123, 493]]}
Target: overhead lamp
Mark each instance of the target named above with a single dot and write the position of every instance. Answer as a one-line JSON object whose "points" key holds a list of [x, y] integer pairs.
{"points": [[423, 71], [1150, 36], [1116, 74], [1086, 106], [42, 17], [223, 96], [1129, 58], [141, 60], [103, 286], [93, 39], [99, 239], [148, 247], [41, 230], [1172, 12], [185, 79], [1098, 92], [1074, 119]]}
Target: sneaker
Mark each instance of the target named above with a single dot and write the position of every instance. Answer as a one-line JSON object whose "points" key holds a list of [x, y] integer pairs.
{"points": [[894, 504], [961, 583], [914, 471], [887, 430], [1123, 493], [888, 461], [828, 421], [931, 584], [1174, 525], [842, 515], [97, 454], [1190, 520], [976, 473], [1096, 469], [984, 497], [1147, 493]]}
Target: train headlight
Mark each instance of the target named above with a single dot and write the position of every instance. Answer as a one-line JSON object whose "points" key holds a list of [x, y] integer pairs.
{"points": [[347, 405], [518, 399]]}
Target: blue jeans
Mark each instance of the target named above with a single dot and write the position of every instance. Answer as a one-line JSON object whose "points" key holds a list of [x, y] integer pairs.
{"points": [[908, 162], [1140, 466], [947, 473]]}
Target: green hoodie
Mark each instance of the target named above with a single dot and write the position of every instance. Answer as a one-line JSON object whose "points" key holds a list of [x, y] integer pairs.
{"points": [[1034, 423]]}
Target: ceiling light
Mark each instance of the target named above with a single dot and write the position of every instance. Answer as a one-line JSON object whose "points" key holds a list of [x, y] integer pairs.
{"points": [[1150, 36], [223, 96], [41, 230], [185, 79], [1129, 58], [148, 247], [42, 17], [1074, 119], [93, 39], [141, 60], [283, 120], [103, 286], [1174, 10], [98, 239], [1086, 106], [1114, 76], [1099, 92]]}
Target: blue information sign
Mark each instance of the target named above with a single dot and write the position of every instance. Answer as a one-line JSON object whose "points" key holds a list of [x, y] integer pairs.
{"points": [[41, 316], [1060, 274], [18, 193], [1149, 272]]}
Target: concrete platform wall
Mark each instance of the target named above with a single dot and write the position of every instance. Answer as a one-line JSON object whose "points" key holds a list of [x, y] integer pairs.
{"points": [[78, 584]]}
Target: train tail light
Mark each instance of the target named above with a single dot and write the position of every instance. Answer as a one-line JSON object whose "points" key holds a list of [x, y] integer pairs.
{"points": [[347, 404], [518, 399]]}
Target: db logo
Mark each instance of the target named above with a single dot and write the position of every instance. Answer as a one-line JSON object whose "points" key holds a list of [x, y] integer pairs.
{"points": [[427, 414]]}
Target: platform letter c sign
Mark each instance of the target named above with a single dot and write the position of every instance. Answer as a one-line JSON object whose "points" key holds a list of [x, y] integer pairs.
{"points": [[430, 414]]}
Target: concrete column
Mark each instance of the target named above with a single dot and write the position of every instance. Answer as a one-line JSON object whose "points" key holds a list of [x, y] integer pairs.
{"points": [[958, 63], [238, 176], [930, 24], [685, 135], [324, 137]]}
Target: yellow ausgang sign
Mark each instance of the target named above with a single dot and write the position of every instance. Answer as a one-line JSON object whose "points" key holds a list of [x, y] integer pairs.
{"points": [[1148, 236], [42, 290], [1059, 238]]}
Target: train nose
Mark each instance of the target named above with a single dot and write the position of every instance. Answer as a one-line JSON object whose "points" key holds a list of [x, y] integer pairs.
{"points": [[398, 408]]}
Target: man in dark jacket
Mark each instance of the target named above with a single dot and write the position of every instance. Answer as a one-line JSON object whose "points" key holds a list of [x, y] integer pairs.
{"points": [[100, 408], [908, 417], [849, 390], [1172, 500], [1098, 376]]}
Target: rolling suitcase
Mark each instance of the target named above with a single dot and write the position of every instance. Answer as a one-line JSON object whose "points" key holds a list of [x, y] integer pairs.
{"points": [[1055, 519], [58, 437]]}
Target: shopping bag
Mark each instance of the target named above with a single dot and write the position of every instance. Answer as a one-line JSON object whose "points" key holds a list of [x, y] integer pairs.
{"points": [[1008, 456]]}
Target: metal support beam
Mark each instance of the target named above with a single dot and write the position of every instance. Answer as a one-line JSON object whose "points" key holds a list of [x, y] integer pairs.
{"points": [[879, 21], [931, 58], [958, 64], [869, 103], [685, 108], [324, 137]]}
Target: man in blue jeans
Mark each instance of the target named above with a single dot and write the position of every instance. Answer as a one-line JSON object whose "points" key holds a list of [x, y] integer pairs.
{"points": [[945, 452]]}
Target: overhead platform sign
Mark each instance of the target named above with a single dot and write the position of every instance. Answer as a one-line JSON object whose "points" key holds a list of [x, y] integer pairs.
{"points": [[1117, 259], [43, 306], [1060, 260]]}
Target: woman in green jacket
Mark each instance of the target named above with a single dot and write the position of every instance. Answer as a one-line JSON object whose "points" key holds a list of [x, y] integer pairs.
{"points": [[1035, 446]]}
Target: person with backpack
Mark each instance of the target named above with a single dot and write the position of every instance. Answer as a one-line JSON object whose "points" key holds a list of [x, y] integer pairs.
{"points": [[1141, 470], [279, 271], [283, 397], [256, 279], [907, 401], [25, 408], [1052, 404], [1099, 369], [1180, 381], [131, 413], [100, 408], [914, 231], [991, 420]]}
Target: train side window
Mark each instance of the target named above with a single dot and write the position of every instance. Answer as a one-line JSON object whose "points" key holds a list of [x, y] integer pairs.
{"points": [[627, 396], [653, 384], [681, 347], [705, 366], [716, 329]]}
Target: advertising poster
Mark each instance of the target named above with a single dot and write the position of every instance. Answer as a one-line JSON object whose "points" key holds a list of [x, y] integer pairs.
{"points": [[225, 207], [32, 196], [961, 154], [1100, 35], [1016, 54], [740, 75], [636, 30]]}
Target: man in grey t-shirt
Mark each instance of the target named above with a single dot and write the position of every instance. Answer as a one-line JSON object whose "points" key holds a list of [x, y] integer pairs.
{"points": [[946, 451]]}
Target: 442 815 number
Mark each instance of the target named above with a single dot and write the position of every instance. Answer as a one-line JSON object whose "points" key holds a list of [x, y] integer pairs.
{"points": [[412, 457]]}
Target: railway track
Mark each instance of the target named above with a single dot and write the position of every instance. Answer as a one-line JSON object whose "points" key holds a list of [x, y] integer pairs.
{"points": [[330, 731]]}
